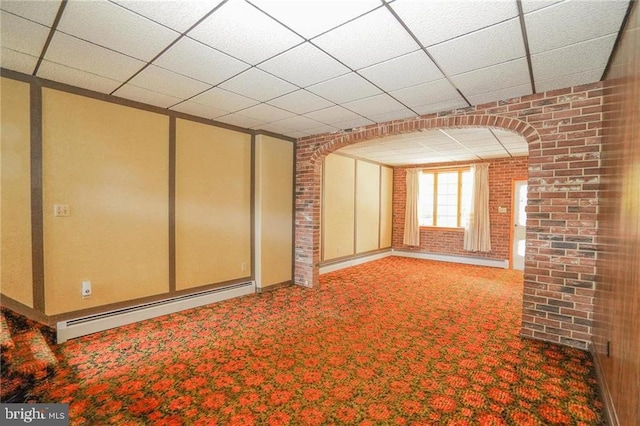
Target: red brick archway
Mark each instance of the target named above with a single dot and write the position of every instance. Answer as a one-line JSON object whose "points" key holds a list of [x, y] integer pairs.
{"points": [[562, 128]]}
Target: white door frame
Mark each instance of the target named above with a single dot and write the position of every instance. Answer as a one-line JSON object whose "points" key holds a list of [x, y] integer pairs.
{"points": [[514, 183]]}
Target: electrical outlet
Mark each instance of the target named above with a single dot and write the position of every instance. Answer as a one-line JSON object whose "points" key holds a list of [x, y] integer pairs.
{"points": [[86, 289], [243, 266], [61, 210]]}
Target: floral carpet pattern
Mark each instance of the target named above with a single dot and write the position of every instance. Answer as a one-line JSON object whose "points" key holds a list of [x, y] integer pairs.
{"points": [[394, 342]]}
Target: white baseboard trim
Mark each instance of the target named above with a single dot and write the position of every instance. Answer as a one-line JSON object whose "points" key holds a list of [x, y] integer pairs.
{"points": [[468, 260], [353, 262], [91, 324]]}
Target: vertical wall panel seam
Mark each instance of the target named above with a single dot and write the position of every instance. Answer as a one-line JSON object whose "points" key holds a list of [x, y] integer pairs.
{"points": [[172, 204], [37, 209], [252, 207]]}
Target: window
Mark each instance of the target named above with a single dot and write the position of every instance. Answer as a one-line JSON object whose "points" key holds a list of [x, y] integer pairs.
{"points": [[445, 198]]}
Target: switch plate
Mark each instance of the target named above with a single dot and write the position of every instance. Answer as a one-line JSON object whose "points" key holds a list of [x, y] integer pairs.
{"points": [[502, 209], [61, 210], [86, 289]]}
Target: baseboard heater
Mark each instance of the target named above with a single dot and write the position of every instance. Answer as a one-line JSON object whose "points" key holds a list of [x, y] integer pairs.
{"points": [[94, 323]]}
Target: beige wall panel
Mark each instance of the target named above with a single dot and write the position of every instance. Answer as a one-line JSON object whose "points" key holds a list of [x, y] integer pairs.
{"points": [[386, 206], [213, 204], [367, 206], [275, 192], [339, 200], [15, 199], [109, 163]]}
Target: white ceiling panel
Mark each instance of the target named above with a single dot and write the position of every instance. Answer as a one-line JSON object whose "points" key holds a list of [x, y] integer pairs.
{"points": [[276, 129], [178, 15], [266, 113], [140, 94], [585, 56], [345, 88], [312, 17], [415, 68], [242, 31], [299, 123], [394, 115], [199, 110], [572, 22], [435, 21], [373, 38], [196, 60], [259, 85], [92, 58], [301, 102], [304, 65], [42, 12], [501, 76], [490, 46], [506, 93], [353, 123], [223, 99], [531, 5], [17, 61], [22, 35], [76, 77], [240, 120], [109, 25], [427, 93], [375, 105], [441, 106], [325, 128], [569, 80], [163, 81], [332, 115]]}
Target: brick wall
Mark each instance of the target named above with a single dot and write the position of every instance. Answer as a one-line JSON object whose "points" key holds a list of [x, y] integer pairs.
{"points": [[450, 241], [562, 128]]}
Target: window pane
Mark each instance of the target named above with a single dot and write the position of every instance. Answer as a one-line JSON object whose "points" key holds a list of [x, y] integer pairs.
{"points": [[447, 209], [465, 208], [425, 199]]}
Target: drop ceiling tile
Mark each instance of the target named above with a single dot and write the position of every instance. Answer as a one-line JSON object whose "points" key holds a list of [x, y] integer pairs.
{"points": [[531, 5], [259, 85], [242, 31], [375, 105], [22, 35], [304, 65], [17, 61], [265, 113], [502, 94], [199, 110], [332, 115], [415, 68], [312, 17], [572, 22], [394, 115], [239, 120], [78, 78], [298, 123], [162, 81], [196, 60], [140, 94], [588, 55], [483, 48], [493, 78], [42, 12], [114, 27], [223, 99], [275, 129], [352, 123], [427, 93], [346, 88], [321, 130], [85, 56], [433, 22], [569, 80], [178, 15], [440, 106], [300, 102], [372, 38]]}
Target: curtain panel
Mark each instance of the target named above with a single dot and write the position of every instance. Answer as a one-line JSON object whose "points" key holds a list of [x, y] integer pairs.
{"points": [[411, 222], [477, 234]]}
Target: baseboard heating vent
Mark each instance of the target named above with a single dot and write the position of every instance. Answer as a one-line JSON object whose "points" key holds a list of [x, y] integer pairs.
{"points": [[94, 323]]}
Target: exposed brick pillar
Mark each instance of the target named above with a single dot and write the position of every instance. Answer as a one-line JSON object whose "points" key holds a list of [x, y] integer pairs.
{"points": [[562, 128]]}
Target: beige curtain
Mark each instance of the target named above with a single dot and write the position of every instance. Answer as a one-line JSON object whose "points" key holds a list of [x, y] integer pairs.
{"points": [[411, 223], [477, 234]]}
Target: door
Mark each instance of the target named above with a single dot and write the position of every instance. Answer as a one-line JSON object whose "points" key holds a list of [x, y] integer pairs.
{"points": [[519, 221]]}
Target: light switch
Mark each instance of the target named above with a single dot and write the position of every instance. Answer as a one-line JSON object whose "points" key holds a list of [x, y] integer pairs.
{"points": [[502, 209]]}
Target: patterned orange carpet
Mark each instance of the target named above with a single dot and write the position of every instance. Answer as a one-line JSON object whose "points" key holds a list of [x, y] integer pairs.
{"points": [[395, 341]]}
